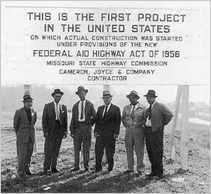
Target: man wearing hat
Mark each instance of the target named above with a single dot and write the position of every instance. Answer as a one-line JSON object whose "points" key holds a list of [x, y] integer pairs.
{"points": [[54, 123], [133, 119], [107, 126], [24, 121], [156, 116], [83, 118]]}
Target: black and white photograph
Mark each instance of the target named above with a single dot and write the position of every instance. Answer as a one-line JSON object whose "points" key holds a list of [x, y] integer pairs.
{"points": [[105, 96]]}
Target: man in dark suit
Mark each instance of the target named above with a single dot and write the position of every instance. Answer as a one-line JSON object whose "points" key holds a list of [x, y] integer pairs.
{"points": [[83, 116], [24, 121], [106, 131], [156, 116], [54, 123]]}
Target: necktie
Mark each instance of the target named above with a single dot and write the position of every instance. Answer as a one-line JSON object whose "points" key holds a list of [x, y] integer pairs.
{"points": [[106, 107], [82, 110], [133, 112], [57, 112], [28, 111], [150, 111]]}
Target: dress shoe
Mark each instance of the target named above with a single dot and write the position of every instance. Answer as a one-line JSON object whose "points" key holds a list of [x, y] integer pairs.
{"points": [[154, 176], [98, 170], [140, 172], [29, 173], [150, 174], [74, 169], [86, 169], [45, 172], [158, 176], [54, 170], [109, 170], [128, 171], [21, 176]]}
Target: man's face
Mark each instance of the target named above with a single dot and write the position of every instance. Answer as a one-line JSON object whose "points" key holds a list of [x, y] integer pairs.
{"points": [[28, 104], [150, 99], [82, 95], [57, 97], [133, 99], [107, 100]]}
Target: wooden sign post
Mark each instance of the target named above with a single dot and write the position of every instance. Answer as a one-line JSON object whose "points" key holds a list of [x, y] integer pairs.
{"points": [[176, 110], [106, 87], [182, 91], [184, 131]]}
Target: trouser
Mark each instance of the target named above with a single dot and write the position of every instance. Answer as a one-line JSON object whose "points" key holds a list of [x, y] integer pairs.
{"points": [[52, 147], [134, 140], [154, 145], [109, 144], [82, 137], [24, 152]]}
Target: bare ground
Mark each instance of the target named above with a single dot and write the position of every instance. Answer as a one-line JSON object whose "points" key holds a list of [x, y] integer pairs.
{"points": [[194, 180]]}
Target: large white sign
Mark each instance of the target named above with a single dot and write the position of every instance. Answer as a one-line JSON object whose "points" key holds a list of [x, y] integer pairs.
{"points": [[112, 42]]}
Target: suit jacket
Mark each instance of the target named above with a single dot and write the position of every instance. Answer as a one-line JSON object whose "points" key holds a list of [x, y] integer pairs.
{"points": [[90, 114], [138, 119], [23, 129], [110, 125], [49, 119], [160, 116]]}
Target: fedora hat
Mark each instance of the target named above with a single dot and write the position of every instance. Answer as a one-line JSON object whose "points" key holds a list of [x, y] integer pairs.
{"points": [[57, 91], [133, 92], [27, 97], [106, 94], [150, 93], [81, 88]]}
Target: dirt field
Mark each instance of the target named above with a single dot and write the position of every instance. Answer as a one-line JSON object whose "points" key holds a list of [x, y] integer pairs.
{"points": [[195, 180]]}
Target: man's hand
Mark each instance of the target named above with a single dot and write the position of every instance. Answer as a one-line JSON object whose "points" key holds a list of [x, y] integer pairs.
{"points": [[72, 135], [115, 136], [65, 136], [46, 134], [95, 134], [127, 123]]}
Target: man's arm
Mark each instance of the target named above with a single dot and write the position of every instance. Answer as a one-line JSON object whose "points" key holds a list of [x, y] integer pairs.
{"points": [[124, 122], [72, 123], [34, 113], [167, 115], [45, 121], [143, 119], [118, 122], [93, 113], [97, 117], [65, 122], [65, 119], [16, 121]]}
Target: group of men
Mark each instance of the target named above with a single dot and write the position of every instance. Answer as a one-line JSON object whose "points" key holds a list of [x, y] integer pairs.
{"points": [[142, 125]]}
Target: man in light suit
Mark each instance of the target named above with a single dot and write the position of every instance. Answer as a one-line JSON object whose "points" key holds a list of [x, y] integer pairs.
{"points": [[156, 116], [24, 121], [54, 123], [133, 120], [107, 126], [83, 116]]}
